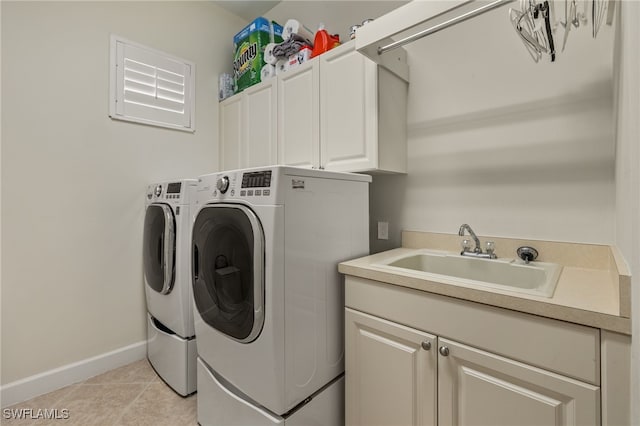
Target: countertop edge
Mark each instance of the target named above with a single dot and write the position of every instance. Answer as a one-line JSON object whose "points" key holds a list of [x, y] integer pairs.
{"points": [[604, 321], [621, 277]]}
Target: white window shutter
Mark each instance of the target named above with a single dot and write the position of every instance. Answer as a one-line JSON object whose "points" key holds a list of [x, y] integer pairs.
{"points": [[151, 87]]}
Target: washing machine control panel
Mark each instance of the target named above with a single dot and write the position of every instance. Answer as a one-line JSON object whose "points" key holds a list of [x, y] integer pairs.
{"points": [[171, 191]]}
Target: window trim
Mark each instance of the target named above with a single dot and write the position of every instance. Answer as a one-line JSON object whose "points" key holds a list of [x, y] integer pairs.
{"points": [[115, 97]]}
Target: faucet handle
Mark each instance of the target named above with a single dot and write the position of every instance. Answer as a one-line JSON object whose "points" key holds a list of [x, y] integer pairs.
{"points": [[466, 245], [490, 247]]}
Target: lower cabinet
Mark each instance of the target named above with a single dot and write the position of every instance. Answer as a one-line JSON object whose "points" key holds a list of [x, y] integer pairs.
{"points": [[397, 375], [478, 387], [390, 373]]}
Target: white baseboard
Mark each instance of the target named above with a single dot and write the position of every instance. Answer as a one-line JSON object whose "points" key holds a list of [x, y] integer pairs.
{"points": [[30, 387]]}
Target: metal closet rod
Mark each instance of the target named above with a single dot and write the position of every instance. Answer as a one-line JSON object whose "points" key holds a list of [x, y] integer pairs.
{"points": [[434, 29]]}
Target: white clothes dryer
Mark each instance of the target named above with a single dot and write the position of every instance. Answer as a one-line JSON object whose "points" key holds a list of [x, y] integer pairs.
{"points": [[268, 297], [171, 344]]}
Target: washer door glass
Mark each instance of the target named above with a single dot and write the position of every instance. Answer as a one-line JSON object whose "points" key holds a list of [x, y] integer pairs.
{"points": [[159, 248], [228, 270]]}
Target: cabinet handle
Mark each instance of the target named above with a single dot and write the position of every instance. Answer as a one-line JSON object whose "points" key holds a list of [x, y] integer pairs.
{"points": [[444, 351], [426, 346]]}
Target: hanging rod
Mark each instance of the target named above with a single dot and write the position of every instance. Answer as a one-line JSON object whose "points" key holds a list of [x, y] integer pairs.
{"points": [[455, 20]]}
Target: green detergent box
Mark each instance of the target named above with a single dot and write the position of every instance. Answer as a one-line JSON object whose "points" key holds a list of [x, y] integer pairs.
{"points": [[248, 46]]}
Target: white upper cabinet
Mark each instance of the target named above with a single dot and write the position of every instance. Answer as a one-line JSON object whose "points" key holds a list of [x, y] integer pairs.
{"points": [[339, 111], [362, 114], [298, 116], [348, 111], [231, 123], [260, 144], [248, 127]]}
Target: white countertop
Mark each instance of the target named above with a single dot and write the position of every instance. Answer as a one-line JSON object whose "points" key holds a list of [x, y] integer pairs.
{"points": [[590, 291]]}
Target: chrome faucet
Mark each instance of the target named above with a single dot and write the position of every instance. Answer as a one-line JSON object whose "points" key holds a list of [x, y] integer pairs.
{"points": [[464, 226], [477, 251]]}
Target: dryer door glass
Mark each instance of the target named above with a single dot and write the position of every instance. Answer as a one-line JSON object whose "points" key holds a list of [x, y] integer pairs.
{"points": [[228, 270], [159, 248]]}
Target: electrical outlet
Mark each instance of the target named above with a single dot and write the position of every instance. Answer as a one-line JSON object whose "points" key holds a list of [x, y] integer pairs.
{"points": [[383, 230]]}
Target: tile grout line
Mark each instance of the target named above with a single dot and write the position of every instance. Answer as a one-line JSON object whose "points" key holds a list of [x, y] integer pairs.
{"points": [[76, 388], [133, 401], [54, 404]]}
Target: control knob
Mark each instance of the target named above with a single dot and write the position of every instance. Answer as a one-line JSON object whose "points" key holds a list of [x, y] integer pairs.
{"points": [[158, 190], [223, 184]]}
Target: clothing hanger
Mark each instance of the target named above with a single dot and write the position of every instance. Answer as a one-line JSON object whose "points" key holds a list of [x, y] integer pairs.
{"points": [[598, 14], [522, 27], [544, 9], [533, 24], [536, 22], [583, 16]]}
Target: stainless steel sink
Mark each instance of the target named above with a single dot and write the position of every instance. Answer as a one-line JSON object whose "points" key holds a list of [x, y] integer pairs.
{"points": [[536, 278]]}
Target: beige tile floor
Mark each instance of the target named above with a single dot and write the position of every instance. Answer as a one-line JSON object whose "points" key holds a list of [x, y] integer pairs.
{"points": [[132, 395]]}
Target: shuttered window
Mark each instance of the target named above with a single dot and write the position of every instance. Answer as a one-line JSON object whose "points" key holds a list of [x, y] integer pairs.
{"points": [[151, 87]]}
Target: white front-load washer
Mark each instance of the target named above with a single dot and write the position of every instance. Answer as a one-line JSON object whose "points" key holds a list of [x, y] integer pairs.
{"points": [[269, 301], [171, 344]]}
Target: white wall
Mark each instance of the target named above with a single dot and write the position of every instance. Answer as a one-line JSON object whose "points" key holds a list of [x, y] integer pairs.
{"points": [[514, 148], [628, 173], [73, 180]]}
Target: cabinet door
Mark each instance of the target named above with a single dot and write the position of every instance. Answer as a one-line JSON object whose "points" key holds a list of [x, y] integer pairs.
{"points": [[390, 373], [348, 110], [298, 116], [231, 123], [259, 142], [480, 388]]}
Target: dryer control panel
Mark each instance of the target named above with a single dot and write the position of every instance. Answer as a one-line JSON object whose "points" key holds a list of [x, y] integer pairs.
{"points": [[254, 186]]}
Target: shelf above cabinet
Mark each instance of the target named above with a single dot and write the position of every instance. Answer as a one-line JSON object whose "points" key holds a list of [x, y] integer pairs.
{"points": [[382, 39]]}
